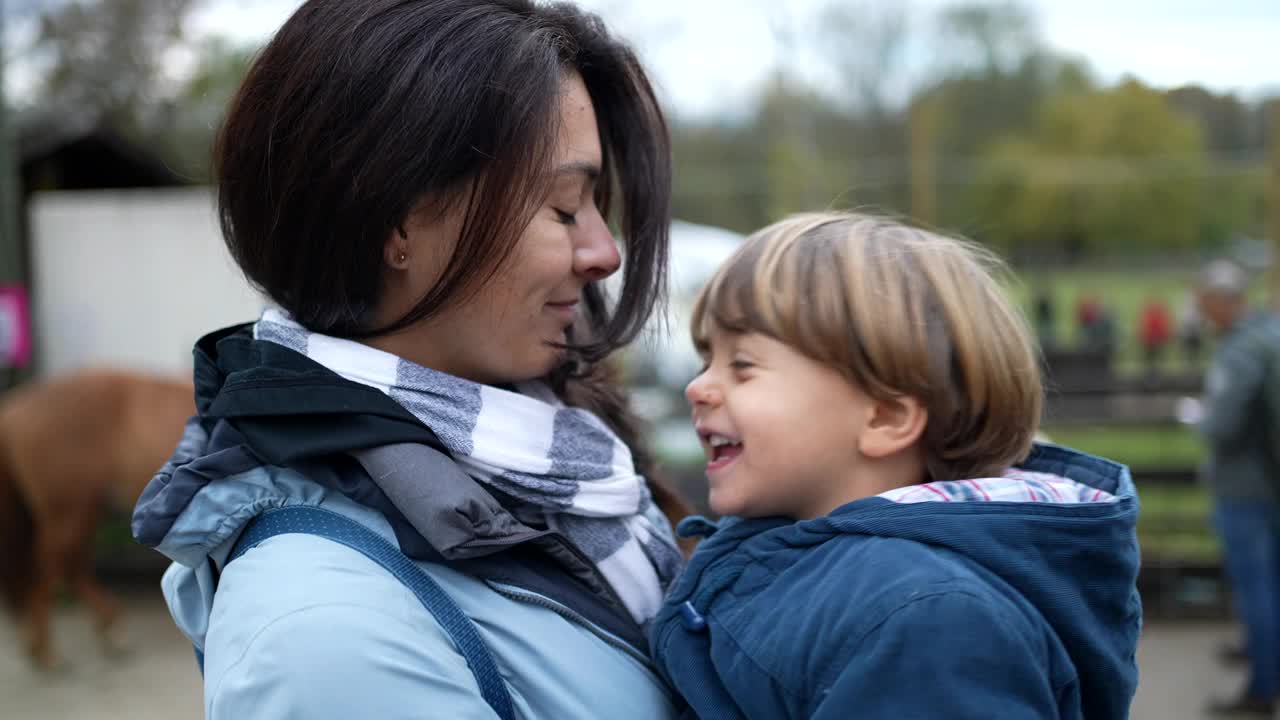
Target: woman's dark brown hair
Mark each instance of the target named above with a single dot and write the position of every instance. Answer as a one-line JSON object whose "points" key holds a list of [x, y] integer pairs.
{"points": [[358, 113]]}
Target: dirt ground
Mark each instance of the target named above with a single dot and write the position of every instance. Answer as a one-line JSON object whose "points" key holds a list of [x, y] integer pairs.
{"points": [[156, 679]]}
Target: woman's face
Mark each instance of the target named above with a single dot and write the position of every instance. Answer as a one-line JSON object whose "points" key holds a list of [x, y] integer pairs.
{"points": [[507, 330]]}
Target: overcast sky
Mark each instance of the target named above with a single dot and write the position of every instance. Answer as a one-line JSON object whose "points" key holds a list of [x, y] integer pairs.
{"points": [[708, 56]]}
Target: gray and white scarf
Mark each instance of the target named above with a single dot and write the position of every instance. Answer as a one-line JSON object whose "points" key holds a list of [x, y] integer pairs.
{"points": [[560, 460]]}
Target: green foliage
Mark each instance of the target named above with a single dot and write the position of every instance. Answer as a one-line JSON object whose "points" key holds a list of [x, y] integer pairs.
{"points": [[716, 180], [1099, 168], [1013, 144]]}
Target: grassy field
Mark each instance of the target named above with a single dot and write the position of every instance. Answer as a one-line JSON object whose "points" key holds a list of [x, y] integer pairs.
{"points": [[1158, 446], [1175, 525]]}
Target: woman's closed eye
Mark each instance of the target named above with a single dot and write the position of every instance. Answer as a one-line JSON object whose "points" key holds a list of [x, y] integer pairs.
{"points": [[565, 218]]}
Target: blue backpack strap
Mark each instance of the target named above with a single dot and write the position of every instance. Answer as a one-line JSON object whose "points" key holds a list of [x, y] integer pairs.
{"points": [[345, 531]]}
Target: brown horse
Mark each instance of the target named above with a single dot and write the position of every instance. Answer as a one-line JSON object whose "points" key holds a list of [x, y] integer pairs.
{"points": [[70, 449]]}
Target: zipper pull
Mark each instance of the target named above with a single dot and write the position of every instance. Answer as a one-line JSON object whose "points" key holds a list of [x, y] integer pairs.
{"points": [[692, 619]]}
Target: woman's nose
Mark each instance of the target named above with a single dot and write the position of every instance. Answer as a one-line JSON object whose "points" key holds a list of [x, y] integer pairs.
{"points": [[596, 255]]}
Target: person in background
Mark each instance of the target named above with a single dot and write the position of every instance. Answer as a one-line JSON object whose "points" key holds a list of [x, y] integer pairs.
{"points": [[1155, 330], [1191, 329], [1045, 319], [1103, 330], [1088, 310], [1096, 324], [1240, 422]]}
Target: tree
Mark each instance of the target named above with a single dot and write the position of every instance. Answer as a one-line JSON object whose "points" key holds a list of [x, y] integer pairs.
{"points": [[808, 158], [719, 176], [1228, 127], [992, 76], [791, 155], [104, 58], [866, 48], [1101, 170], [992, 38]]}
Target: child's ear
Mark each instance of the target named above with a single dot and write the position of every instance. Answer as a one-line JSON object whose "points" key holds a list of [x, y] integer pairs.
{"points": [[894, 425]]}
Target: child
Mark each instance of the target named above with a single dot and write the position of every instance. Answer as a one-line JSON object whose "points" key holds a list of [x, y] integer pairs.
{"points": [[868, 389]]}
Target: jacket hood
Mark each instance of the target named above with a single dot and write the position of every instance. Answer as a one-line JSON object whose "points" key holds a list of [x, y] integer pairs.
{"points": [[1075, 560], [260, 404]]}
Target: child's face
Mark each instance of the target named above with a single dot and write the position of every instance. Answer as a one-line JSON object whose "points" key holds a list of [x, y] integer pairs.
{"points": [[780, 430]]}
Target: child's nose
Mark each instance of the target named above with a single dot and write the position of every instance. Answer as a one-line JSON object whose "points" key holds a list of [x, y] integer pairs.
{"points": [[701, 391]]}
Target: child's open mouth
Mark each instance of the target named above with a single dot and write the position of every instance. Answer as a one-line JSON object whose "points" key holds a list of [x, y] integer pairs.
{"points": [[722, 451]]}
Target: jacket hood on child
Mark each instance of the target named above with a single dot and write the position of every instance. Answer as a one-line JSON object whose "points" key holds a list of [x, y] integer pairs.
{"points": [[885, 602]]}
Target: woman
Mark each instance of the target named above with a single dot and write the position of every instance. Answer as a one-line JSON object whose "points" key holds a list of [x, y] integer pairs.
{"points": [[423, 188]]}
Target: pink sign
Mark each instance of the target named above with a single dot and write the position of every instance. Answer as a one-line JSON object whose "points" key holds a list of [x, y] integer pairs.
{"points": [[15, 327]]}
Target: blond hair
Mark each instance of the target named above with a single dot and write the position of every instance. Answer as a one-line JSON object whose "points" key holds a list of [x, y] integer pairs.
{"points": [[900, 311]]}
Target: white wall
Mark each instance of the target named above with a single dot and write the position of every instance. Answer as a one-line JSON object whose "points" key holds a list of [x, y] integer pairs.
{"points": [[130, 279]]}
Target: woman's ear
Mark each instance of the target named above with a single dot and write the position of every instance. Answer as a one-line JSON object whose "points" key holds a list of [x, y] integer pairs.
{"points": [[894, 425], [395, 253]]}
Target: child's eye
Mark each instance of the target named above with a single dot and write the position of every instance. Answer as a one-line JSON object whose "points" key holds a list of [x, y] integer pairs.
{"points": [[565, 217], [741, 365]]}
